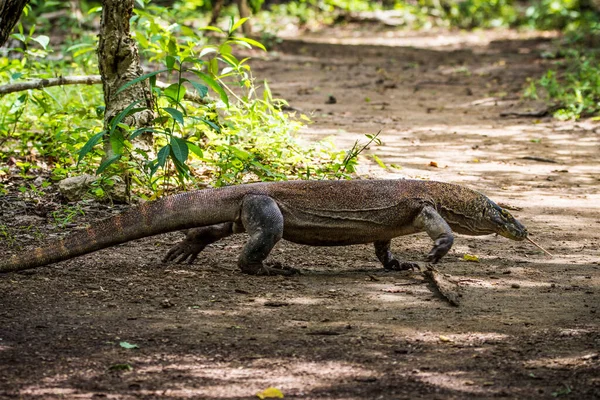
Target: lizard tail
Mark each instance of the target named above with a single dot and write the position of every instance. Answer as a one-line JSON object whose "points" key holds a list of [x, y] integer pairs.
{"points": [[172, 213]]}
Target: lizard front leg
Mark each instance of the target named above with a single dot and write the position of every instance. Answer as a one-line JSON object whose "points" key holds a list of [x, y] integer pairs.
{"points": [[196, 240], [438, 230], [263, 220], [383, 253]]}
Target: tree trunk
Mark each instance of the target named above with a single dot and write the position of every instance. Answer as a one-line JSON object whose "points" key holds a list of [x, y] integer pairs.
{"points": [[245, 13], [10, 11], [244, 9], [119, 63]]}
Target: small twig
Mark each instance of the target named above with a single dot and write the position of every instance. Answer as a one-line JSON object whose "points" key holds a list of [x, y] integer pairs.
{"points": [[539, 159], [355, 152], [77, 80], [413, 282], [42, 83], [448, 289]]}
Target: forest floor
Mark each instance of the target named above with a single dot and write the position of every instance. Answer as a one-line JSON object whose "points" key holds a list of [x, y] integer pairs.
{"points": [[528, 326]]}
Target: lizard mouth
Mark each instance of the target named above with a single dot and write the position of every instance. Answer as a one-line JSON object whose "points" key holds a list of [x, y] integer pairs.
{"points": [[519, 235]]}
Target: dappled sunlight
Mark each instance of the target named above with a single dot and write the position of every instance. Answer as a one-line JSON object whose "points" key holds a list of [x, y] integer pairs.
{"points": [[65, 392], [447, 337], [562, 362], [226, 380], [468, 154], [305, 301], [459, 381]]}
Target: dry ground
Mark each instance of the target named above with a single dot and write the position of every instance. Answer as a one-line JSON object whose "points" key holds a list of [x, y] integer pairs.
{"points": [[528, 326]]}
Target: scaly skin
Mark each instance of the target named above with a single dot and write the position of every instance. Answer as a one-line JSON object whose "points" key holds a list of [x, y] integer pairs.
{"points": [[317, 213]]}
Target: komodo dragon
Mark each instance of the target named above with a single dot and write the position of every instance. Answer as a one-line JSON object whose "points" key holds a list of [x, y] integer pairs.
{"points": [[317, 213]]}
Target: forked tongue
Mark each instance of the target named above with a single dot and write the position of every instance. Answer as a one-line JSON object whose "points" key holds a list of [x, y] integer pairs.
{"points": [[539, 247]]}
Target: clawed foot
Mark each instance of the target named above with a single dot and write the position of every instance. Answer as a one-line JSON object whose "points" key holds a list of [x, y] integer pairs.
{"points": [[275, 269], [395, 265], [440, 248], [185, 250]]}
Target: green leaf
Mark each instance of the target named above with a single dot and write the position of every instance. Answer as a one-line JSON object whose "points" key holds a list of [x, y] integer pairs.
{"points": [[230, 59], [139, 79], [160, 120], [19, 36], [175, 92], [129, 109], [106, 163], [250, 42], [267, 95], [89, 145], [170, 62], [195, 149], [179, 149], [212, 28], [182, 169], [176, 114], [117, 141], [201, 89], [94, 10], [379, 162], [43, 40], [213, 66], [163, 154], [214, 85], [172, 47], [225, 49], [207, 50], [235, 26], [210, 123], [241, 43], [239, 153], [127, 345]]}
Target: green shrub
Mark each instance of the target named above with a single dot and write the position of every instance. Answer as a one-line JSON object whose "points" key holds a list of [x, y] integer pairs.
{"points": [[576, 91]]}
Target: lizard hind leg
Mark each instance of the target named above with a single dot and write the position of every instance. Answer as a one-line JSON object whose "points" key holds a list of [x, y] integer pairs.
{"points": [[383, 253], [196, 240], [263, 220]]}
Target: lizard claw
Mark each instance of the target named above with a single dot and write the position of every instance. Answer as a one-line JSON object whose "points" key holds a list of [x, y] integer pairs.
{"points": [[395, 265], [277, 269], [183, 251], [441, 246]]}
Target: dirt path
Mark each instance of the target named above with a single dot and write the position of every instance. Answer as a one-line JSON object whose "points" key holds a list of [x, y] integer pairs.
{"points": [[528, 326]]}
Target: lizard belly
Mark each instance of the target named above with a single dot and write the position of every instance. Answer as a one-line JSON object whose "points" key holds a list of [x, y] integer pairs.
{"points": [[338, 229]]}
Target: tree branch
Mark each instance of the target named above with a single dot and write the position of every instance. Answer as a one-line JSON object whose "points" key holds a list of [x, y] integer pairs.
{"points": [[77, 80]]}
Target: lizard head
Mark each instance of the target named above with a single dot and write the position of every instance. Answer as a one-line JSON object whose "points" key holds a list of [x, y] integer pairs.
{"points": [[481, 216], [502, 222]]}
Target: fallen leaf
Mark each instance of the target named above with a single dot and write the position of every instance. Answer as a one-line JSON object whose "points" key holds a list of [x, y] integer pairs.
{"points": [[127, 345], [445, 339], [270, 393], [470, 257]]}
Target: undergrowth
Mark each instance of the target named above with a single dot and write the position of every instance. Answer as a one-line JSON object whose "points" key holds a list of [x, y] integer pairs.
{"points": [[237, 132], [573, 87]]}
